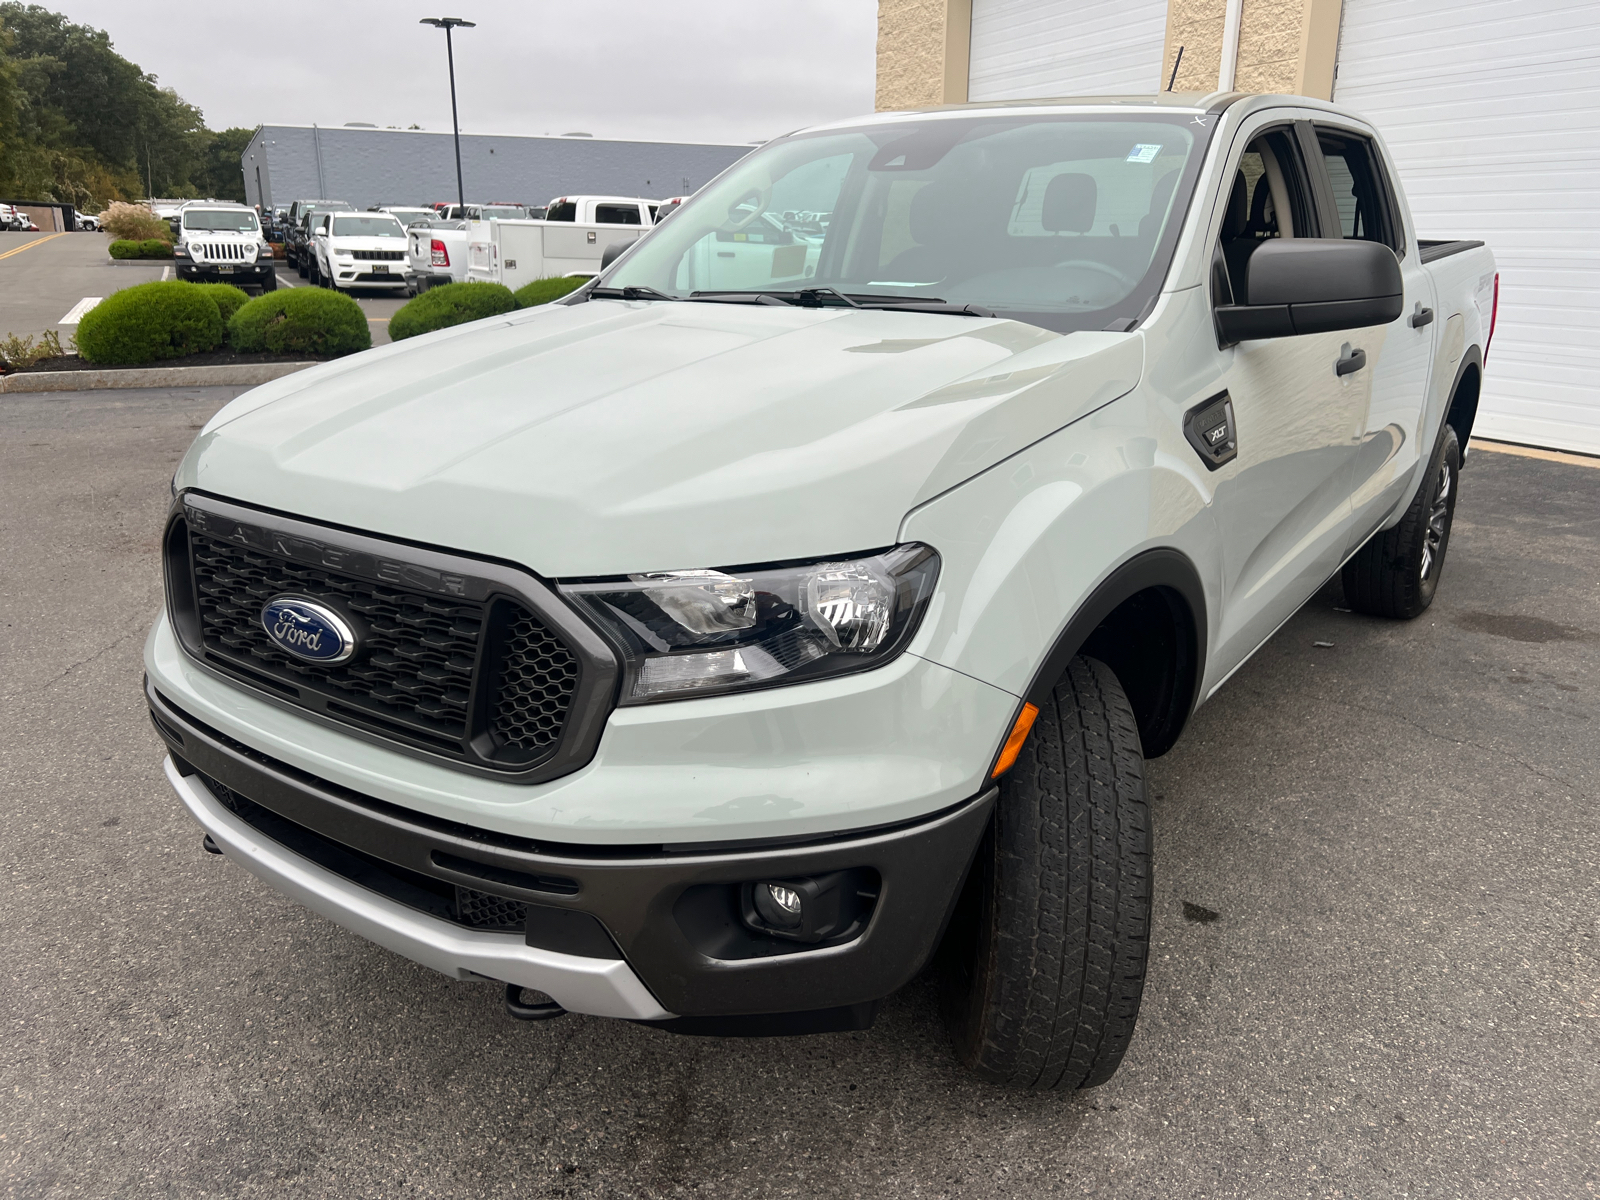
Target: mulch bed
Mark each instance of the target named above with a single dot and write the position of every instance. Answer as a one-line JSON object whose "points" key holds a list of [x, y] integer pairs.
{"points": [[211, 358]]}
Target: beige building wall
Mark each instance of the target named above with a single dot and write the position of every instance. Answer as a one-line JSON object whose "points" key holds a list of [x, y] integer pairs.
{"points": [[923, 52], [1287, 46]]}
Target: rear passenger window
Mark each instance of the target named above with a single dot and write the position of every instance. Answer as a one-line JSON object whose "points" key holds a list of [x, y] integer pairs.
{"points": [[616, 214], [1359, 193], [567, 211]]}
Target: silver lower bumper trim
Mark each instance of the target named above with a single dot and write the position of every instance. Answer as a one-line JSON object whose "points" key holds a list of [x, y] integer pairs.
{"points": [[601, 987]]}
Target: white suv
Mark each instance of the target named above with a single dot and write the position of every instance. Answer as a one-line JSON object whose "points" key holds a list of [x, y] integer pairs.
{"points": [[223, 243], [353, 250]]}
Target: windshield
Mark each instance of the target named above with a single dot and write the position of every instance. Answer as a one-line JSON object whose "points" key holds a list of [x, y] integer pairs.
{"points": [[503, 212], [377, 225], [409, 216], [1063, 221], [237, 221]]}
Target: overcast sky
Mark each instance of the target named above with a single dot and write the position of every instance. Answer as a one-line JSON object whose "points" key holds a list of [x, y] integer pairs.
{"points": [[680, 70]]}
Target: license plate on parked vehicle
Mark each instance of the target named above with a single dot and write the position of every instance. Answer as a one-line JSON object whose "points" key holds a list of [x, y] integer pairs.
{"points": [[380, 269], [225, 270]]}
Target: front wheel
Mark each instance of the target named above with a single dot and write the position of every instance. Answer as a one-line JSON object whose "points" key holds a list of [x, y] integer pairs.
{"points": [[1397, 572], [269, 283], [1045, 958]]}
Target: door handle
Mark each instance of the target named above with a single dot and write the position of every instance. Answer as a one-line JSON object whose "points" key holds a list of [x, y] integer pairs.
{"points": [[1350, 361], [1421, 316]]}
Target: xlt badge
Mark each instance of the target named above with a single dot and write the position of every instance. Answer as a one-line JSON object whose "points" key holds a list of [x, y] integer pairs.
{"points": [[1210, 430]]}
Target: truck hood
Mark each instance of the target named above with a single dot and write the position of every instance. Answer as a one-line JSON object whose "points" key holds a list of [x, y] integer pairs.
{"points": [[614, 437]]}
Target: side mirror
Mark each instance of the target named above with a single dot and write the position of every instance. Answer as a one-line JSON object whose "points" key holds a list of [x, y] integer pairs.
{"points": [[1314, 285], [613, 252]]}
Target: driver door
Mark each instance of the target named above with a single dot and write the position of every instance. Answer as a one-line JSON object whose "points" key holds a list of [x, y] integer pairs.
{"points": [[1283, 501]]}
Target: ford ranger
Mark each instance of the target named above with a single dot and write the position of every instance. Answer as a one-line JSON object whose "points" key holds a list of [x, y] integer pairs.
{"points": [[723, 645]]}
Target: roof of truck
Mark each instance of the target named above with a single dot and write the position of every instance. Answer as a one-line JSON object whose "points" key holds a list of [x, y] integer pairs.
{"points": [[1174, 102]]}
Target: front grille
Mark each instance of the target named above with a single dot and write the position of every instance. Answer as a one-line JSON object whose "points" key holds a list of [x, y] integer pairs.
{"points": [[234, 252], [420, 650], [470, 674], [378, 255]]}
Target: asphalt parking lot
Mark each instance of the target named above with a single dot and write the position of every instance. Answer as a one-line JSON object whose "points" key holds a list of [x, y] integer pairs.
{"points": [[1374, 967], [43, 276]]}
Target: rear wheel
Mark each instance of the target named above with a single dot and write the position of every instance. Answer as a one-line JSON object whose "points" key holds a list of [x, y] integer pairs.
{"points": [[1045, 958], [1397, 572]]}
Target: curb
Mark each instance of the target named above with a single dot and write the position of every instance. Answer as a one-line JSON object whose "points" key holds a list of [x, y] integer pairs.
{"points": [[138, 262], [247, 374]]}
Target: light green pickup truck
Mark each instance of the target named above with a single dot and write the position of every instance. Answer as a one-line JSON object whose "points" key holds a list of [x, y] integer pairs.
{"points": [[793, 608]]}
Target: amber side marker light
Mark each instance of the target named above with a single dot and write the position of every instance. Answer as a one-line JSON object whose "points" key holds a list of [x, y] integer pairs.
{"points": [[1016, 740]]}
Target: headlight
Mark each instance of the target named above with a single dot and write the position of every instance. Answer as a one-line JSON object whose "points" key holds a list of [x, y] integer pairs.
{"points": [[697, 633]]}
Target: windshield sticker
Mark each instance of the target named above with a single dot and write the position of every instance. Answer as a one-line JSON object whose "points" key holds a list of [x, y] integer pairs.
{"points": [[1143, 152]]}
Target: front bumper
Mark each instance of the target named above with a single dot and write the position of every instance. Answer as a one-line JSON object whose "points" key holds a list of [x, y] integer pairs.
{"points": [[236, 273], [644, 932]]}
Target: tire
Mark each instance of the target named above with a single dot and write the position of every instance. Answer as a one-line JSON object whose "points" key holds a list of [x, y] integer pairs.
{"points": [[270, 283], [1397, 572], [1044, 962], [300, 267]]}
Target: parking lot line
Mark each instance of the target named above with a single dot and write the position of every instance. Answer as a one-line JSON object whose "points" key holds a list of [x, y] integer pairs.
{"points": [[75, 313], [1560, 456], [31, 245]]}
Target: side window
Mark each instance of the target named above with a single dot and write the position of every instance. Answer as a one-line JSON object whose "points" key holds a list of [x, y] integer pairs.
{"points": [[1359, 191], [1270, 198], [565, 211], [616, 214]]}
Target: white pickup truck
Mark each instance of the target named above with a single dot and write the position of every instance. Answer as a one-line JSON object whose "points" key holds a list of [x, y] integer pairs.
{"points": [[517, 252], [721, 645]]}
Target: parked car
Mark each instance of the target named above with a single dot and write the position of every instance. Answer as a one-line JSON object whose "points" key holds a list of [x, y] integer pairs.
{"points": [[297, 231], [354, 250], [223, 243], [88, 221], [710, 650], [484, 212], [437, 252], [406, 215], [514, 253], [602, 210], [10, 218]]}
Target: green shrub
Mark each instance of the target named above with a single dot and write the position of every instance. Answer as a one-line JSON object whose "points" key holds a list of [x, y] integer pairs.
{"points": [[229, 299], [148, 322], [149, 248], [542, 291], [452, 304], [302, 321]]}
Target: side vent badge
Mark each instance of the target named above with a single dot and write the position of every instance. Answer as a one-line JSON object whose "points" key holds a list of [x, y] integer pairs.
{"points": [[1210, 430]]}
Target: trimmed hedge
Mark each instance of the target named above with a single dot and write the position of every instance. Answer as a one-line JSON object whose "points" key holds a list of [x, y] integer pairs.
{"points": [[150, 321], [452, 304], [301, 321], [542, 291], [229, 299], [151, 248]]}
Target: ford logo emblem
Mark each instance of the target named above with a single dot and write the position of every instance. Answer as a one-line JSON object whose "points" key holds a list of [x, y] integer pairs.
{"points": [[308, 629]]}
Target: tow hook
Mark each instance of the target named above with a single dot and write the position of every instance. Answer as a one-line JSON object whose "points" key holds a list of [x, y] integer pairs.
{"points": [[210, 846], [519, 1011]]}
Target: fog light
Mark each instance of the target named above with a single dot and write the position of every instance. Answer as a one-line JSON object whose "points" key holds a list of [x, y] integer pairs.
{"points": [[812, 908], [778, 905]]}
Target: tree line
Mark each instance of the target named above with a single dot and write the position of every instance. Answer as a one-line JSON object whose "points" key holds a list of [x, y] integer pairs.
{"points": [[82, 125]]}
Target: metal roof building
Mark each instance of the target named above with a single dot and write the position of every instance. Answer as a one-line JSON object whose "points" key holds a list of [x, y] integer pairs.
{"points": [[368, 166]]}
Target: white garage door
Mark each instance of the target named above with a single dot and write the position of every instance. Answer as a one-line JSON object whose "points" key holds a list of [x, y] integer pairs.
{"points": [[1065, 48], [1491, 110]]}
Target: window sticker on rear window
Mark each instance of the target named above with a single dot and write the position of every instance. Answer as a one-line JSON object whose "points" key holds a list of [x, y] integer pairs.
{"points": [[1143, 152]]}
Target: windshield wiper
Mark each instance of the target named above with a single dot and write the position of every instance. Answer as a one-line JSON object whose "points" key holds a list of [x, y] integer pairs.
{"points": [[812, 298], [631, 292]]}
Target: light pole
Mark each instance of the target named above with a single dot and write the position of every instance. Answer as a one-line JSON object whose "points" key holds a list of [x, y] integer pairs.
{"points": [[447, 24]]}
